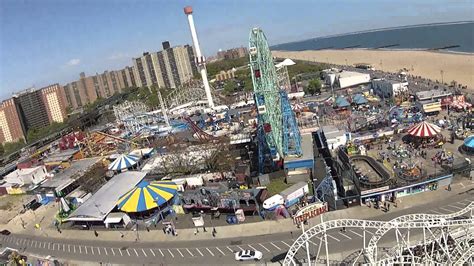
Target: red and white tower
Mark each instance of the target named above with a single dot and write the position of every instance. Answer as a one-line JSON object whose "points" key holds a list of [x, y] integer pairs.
{"points": [[200, 60]]}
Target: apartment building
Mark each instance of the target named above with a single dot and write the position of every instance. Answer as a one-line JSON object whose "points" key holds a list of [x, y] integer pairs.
{"points": [[10, 125], [233, 53], [169, 68], [88, 89], [54, 100], [31, 109]]}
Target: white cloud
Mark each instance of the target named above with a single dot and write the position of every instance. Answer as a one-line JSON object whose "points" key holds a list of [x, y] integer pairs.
{"points": [[118, 56], [73, 62]]}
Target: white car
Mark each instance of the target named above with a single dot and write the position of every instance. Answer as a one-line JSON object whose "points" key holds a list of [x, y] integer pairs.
{"points": [[248, 255]]}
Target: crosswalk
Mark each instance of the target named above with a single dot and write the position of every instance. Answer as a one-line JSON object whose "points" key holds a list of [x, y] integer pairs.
{"points": [[271, 247]]}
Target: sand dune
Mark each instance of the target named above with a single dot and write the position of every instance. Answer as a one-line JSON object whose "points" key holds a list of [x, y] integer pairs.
{"points": [[458, 67]]}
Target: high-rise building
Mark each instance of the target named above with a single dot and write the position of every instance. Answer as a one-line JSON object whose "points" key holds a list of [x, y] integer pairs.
{"points": [[31, 109], [233, 53], [10, 125], [54, 100], [169, 68]]}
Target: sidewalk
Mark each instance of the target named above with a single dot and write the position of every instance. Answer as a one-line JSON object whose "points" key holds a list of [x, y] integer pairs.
{"points": [[250, 229]]}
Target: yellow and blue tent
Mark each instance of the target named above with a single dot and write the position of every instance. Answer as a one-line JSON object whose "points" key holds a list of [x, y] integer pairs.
{"points": [[147, 195]]}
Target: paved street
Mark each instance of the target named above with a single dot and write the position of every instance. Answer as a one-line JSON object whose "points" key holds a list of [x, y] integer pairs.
{"points": [[220, 251]]}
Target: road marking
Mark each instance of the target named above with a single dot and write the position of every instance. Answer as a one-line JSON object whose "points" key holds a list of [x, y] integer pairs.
{"points": [[240, 248], [220, 251], [120, 252], [210, 251], [128, 252], [355, 233], [333, 238], [180, 252], [444, 209], [74, 247], [161, 252], [92, 250], [136, 252], [463, 186], [459, 203], [202, 255], [192, 255], [437, 212], [229, 249], [144, 253], [264, 247], [171, 253], [49, 245], [151, 250], [344, 235], [44, 244], [64, 247], [113, 252], [28, 242], [106, 253], [285, 243], [367, 231], [312, 242], [275, 246], [251, 247], [98, 250], [80, 249], [455, 207]]}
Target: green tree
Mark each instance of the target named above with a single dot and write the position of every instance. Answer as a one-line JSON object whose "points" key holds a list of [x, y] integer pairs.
{"points": [[313, 87], [11, 147], [214, 68], [229, 87]]}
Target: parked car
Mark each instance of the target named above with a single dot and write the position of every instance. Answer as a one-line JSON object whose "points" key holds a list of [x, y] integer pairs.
{"points": [[248, 255], [5, 232]]}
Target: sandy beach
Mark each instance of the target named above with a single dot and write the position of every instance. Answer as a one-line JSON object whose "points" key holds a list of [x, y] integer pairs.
{"points": [[458, 67]]}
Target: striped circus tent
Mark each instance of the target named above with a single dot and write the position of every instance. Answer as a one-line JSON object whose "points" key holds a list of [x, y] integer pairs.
{"points": [[123, 162], [424, 130], [146, 196]]}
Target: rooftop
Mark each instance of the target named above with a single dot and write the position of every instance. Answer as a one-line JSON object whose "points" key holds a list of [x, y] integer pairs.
{"points": [[423, 95], [307, 149], [69, 174], [97, 207], [24, 171]]}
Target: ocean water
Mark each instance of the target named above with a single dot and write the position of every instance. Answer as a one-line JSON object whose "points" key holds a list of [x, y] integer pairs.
{"points": [[458, 36]]}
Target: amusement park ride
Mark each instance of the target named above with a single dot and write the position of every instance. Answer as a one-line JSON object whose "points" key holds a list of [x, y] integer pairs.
{"points": [[277, 129]]}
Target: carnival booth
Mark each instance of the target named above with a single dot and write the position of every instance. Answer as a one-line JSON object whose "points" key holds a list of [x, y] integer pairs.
{"points": [[148, 199], [123, 162], [468, 145], [424, 133]]}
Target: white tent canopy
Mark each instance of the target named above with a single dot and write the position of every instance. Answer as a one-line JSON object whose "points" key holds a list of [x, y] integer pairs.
{"points": [[123, 162]]}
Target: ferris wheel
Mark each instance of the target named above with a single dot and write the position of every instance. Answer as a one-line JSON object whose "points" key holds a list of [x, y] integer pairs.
{"points": [[277, 124]]}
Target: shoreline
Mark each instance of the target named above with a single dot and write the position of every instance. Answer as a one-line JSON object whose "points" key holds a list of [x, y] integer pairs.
{"points": [[434, 65]]}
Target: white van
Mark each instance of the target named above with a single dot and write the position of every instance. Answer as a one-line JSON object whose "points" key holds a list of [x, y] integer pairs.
{"points": [[273, 202]]}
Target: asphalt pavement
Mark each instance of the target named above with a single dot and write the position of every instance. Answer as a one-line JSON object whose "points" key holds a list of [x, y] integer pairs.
{"points": [[218, 251]]}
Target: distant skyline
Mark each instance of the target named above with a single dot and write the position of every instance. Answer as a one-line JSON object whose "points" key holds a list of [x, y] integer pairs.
{"points": [[49, 41]]}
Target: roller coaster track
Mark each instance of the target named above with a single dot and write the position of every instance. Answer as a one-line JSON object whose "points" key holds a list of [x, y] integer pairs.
{"points": [[410, 221], [201, 134]]}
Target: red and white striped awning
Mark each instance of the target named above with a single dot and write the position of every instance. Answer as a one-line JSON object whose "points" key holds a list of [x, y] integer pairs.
{"points": [[424, 130]]}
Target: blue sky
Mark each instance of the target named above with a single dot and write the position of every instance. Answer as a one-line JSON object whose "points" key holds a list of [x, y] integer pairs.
{"points": [[49, 41]]}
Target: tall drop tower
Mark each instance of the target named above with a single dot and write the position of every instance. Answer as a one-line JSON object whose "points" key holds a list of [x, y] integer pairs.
{"points": [[200, 60]]}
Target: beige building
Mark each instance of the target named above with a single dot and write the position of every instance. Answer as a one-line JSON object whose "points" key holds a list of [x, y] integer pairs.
{"points": [[10, 125], [169, 68], [233, 53], [225, 75], [55, 103]]}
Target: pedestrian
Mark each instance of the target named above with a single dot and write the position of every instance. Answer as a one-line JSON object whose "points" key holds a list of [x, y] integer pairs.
{"points": [[388, 206], [164, 230], [449, 187], [95, 233]]}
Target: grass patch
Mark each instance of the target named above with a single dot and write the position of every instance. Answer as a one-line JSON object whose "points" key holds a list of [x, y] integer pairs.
{"points": [[276, 186]]}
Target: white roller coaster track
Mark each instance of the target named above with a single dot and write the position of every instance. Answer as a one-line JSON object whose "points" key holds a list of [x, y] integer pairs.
{"points": [[410, 221]]}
